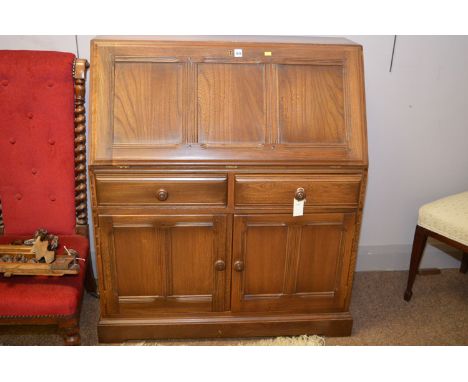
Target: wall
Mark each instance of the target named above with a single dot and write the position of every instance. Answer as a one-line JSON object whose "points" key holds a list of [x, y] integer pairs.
{"points": [[418, 129], [417, 126]]}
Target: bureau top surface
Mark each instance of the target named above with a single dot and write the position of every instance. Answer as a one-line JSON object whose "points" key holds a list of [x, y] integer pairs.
{"points": [[312, 40]]}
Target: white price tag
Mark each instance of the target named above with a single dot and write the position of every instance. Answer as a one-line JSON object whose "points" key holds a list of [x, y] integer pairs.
{"points": [[298, 207], [237, 52]]}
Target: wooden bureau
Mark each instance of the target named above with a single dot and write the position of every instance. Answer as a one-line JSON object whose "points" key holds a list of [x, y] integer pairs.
{"points": [[199, 147]]}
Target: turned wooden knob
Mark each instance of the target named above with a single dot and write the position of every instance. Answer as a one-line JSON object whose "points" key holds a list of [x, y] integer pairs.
{"points": [[220, 265], [239, 266], [300, 194], [162, 195]]}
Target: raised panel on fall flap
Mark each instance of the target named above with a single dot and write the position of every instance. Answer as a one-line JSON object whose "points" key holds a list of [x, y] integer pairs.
{"points": [[148, 104], [311, 104], [231, 104]]}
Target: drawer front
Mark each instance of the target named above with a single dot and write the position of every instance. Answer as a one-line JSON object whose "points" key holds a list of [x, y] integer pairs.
{"points": [[280, 190], [161, 190]]}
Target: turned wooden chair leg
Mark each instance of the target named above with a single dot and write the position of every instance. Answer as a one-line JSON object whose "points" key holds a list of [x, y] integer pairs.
{"points": [[71, 332], [464, 263], [419, 243]]}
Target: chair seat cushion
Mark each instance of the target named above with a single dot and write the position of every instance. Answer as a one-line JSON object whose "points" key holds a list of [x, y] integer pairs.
{"points": [[447, 217], [26, 296]]}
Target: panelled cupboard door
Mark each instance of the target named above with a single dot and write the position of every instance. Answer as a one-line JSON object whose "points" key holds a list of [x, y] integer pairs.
{"points": [[155, 264], [293, 264], [180, 101]]}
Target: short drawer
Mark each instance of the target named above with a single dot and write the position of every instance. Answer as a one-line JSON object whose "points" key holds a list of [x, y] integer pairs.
{"points": [[280, 190], [161, 190]]}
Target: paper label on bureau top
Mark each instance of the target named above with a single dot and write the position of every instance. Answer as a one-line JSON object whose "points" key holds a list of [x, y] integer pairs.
{"points": [[298, 207]]}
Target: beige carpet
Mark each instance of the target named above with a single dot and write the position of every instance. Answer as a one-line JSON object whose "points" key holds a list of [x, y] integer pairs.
{"points": [[303, 340], [437, 315]]}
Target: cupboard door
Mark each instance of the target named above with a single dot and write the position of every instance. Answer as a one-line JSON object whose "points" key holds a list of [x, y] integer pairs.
{"points": [[164, 263], [296, 264]]}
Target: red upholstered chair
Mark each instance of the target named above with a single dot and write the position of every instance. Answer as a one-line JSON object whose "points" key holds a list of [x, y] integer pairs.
{"points": [[43, 181]]}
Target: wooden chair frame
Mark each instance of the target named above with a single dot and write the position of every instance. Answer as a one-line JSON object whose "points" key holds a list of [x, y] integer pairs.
{"points": [[68, 326], [419, 243]]}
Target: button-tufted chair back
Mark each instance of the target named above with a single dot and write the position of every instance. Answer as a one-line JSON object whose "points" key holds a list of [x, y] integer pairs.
{"points": [[37, 178]]}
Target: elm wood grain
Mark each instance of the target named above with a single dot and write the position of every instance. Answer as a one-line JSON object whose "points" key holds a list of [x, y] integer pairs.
{"points": [[320, 257], [222, 326], [246, 118], [142, 40], [263, 248], [419, 243], [161, 189], [194, 210], [268, 154], [163, 263], [294, 264], [199, 51], [311, 104], [215, 121], [149, 103], [325, 190], [236, 169], [130, 208], [231, 105], [357, 231]]}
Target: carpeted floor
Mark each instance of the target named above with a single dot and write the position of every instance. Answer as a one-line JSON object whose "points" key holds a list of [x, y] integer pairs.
{"points": [[437, 314]]}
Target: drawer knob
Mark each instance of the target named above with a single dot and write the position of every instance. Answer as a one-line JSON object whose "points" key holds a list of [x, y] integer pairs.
{"points": [[220, 265], [300, 194], [239, 266], [162, 195]]}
